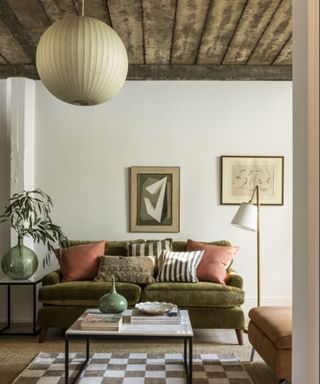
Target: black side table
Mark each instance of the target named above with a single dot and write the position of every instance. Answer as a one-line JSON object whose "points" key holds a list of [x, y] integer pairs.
{"points": [[9, 283]]}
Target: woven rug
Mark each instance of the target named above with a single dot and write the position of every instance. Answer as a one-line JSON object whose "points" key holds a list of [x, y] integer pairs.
{"points": [[135, 368]]}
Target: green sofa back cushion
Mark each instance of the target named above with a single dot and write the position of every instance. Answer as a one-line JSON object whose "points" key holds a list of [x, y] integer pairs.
{"points": [[120, 248], [181, 246], [113, 248]]}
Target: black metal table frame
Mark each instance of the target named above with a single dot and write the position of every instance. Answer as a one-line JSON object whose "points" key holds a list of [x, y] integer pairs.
{"points": [[34, 331], [187, 355]]}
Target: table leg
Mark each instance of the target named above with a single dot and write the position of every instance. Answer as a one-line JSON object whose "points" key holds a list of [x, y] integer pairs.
{"points": [[190, 361], [66, 360], [185, 355], [34, 309], [9, 305], [8, 310], [87, 349]]}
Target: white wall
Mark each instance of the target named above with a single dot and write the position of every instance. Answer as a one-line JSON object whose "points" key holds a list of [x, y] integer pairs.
{"points": [[82, 155], [4, 180], [4, 166]]}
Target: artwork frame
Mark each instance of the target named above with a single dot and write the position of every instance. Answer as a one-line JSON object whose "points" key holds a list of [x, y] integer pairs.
{"points": [[154, 199], [240, 175]]}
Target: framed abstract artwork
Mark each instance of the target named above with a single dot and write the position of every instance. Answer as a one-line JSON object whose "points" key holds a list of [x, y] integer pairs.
{"points": [[154, 199], [241, 174]]}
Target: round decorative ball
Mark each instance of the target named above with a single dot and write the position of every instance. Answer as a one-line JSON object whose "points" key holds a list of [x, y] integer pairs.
{"points": [[81, 60]]}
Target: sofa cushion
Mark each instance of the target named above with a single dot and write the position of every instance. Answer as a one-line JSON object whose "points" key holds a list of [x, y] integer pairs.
{"points": [[114, 248], [120, 248], [134, 269], [215, 261], [86, 293], [149, 248], [202, 294], [181, 246], [179, 266], [81, 262]]}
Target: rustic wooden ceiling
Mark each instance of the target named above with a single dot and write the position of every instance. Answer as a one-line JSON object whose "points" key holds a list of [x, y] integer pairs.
{"points": [[165, 39]]}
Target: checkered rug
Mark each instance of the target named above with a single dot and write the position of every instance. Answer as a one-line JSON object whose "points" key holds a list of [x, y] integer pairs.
{"points": [[135, 368]]}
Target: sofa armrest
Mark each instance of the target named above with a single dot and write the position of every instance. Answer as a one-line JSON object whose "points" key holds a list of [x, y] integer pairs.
{"points": [[52, 278], [234, 279]]}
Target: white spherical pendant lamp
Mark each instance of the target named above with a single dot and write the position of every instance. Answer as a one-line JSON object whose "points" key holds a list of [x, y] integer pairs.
{"points": [[82, 61]]}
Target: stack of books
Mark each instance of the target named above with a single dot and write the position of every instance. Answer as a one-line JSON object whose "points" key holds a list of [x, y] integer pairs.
{"points": [[101, 322], [172, 317]]}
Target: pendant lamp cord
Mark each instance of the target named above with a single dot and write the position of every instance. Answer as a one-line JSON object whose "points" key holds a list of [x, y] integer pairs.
{"points": [[82, 12]]}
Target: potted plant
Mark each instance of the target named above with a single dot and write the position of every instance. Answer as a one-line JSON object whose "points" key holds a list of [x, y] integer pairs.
{"points": [[28, 213]]}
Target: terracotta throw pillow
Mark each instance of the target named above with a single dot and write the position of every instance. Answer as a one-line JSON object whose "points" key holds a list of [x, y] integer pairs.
{"points": [[81, 262], [133, 269], [215, 261]]}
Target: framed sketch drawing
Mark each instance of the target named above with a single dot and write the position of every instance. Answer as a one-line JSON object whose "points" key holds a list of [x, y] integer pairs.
{"points": [[154, 199], [241, 174]]}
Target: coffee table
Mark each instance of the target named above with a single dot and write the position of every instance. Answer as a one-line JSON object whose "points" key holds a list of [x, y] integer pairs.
{"points": [[182, 331]]}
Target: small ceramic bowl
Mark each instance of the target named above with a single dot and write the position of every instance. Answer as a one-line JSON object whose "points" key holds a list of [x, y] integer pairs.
{"points": [[155, 307]]}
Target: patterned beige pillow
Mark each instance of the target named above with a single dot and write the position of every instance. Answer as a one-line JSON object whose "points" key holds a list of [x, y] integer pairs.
{"points": [[133, 269]]}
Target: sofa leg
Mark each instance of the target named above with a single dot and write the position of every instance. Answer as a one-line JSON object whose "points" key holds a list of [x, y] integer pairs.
{"points": [[252, 354], [42, 334], [239, 333]]}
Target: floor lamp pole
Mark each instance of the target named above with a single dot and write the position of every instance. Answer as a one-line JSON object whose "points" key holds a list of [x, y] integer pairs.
{"points": [[257, 193], [248, 217], [258, 245]]}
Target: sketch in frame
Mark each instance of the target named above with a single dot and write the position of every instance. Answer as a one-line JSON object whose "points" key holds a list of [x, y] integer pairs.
{"points": [[154, 199], [241, 174]]}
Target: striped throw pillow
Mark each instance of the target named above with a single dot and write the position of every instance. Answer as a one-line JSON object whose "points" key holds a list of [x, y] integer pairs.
{"points": [[179, 266], [149, 248]]}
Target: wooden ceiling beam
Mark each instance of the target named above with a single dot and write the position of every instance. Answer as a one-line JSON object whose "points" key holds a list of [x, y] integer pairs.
{"points": [[223, 17], [158, 27], [275, 36], [18, 70], [178, 72], [18, 32], [3, 60], [10, 49], [254, 20], [209, 72], [190, 23], [285, 56], [57, 9], [31, 17], [126, 17], [94, 8]]}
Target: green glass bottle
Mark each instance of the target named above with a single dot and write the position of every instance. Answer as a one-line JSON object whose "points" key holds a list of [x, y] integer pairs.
{"points": [[20, 262], [112, 302]]}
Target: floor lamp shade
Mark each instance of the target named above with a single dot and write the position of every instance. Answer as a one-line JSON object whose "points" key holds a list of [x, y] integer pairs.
{"points": [[81, 60], [246, 217]]}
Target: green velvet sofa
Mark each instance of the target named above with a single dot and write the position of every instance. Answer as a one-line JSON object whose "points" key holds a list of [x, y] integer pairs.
{"points": [[209, 305]]}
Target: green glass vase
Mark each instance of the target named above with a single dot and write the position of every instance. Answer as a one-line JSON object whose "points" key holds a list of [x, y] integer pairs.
{"points": [[20, 262], [112, 302]]}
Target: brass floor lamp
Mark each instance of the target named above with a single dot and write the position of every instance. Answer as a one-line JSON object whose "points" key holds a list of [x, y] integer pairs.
{"points": [[248, 217]]}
